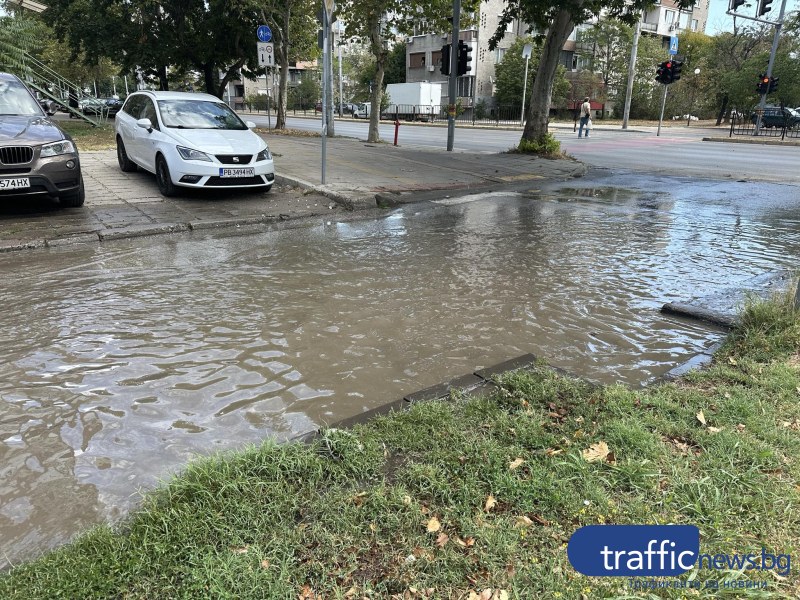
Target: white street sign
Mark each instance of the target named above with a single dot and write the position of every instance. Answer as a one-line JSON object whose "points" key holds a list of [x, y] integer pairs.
{"points": [[266, 54]]}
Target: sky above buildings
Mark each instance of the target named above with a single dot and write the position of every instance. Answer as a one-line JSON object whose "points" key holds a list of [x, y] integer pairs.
{"points": [[719, 21]]}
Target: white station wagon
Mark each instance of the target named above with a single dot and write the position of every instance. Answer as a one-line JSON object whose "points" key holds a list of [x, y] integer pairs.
{"points": [[190, 140]]}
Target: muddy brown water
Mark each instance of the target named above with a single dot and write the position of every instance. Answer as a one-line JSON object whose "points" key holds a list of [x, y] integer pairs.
{"points": [[122, 361]]}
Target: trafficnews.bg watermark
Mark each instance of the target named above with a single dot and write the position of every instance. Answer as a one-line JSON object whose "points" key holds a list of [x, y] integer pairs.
{"points": [[643, 552]]}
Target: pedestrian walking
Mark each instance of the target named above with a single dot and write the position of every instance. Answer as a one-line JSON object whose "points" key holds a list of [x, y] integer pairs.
{"points": [[586, 117]]}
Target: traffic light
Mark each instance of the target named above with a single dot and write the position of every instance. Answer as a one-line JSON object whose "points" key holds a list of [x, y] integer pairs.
{"points": [[464, 58], [676, 70], [734, 4], [763, 84], [445, 68], [763, 7], [773, 84], [663, 72]]}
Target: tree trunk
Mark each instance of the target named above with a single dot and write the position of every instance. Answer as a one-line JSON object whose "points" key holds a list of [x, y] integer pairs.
{"points": [[376, 45], [722, 109], [283, 83], [231, 74], [162, 78], [208, 76], [542, 92]]}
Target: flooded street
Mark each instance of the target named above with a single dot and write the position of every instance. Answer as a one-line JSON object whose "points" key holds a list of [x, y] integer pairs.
{"points": [[123, 360]]}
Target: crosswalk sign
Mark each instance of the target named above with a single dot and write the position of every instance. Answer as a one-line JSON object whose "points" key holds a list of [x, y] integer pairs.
{"points": [[673, 44]]}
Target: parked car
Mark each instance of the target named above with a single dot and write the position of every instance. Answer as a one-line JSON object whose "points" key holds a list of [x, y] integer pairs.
{"points": [[112, 106], [37, 158], [775, 116], [92, 106], [191, 140]]}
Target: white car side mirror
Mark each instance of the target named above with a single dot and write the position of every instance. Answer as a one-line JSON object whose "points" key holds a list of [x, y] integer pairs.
{"points": [[145, 124], [250, 124]]}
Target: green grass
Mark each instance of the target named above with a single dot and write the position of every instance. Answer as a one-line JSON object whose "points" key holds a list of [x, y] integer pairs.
{"points": [[87, 137], [355, 513]]}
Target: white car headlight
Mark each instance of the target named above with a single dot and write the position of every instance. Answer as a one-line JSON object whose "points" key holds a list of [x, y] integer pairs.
{"points": [[191, 154], [265, 154], [63, 147]]}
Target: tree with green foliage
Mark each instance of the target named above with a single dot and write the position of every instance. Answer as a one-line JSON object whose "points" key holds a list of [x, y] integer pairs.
{"points": [[396, 65], [294, 30], [646, 93], [557, 20], [606, 47], [381, 23]]}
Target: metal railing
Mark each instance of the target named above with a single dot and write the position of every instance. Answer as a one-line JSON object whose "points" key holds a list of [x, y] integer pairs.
{"points": [[53, 86], [776, 122]]}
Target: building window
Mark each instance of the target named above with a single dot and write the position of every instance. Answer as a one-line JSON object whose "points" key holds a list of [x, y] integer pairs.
{"points": [[694, 24], [417, 60], [669, 16], [499, 54]]}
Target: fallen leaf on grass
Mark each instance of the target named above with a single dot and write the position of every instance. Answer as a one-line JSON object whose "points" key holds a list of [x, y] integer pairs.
{"points": [[714, 429], [265, 564], [467, 543], [306, 593], [596, 452], [433, 525], [523, 521], [490, 503], [442, 539], [701, 417], [731, 360], [515, 463], [407, 500], [240, 550], [552, 452]]}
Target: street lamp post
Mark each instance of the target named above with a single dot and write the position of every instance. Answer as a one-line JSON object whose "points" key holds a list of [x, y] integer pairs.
{"points": [[691, 102]]}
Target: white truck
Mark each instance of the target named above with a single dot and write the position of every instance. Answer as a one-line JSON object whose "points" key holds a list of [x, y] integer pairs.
{"points": [[419, 101], [362, 111]]}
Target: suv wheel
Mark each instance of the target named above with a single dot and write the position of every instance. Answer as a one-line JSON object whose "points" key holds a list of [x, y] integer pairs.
{"points": [[163, 178], [125, 164], [74, 199]]}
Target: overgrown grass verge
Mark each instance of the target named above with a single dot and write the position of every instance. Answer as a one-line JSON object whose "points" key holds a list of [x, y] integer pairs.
{"points": [[89, 138], [455, 497]]}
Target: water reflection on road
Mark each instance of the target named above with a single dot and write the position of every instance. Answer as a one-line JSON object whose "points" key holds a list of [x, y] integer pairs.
{"points": [[124, 360]]}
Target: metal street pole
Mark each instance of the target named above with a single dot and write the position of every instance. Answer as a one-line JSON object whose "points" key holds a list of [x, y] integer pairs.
{"points": [[663, 103], [341, 84], [451, 85], [691, 101], [763, 102], [324, 131], [526, 53], [631, 72], [524, 89]]}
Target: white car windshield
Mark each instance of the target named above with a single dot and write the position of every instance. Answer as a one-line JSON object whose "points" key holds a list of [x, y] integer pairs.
{"points": [[16, 101], [198, 114]]}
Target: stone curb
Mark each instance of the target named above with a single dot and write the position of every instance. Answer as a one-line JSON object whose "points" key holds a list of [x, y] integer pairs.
{"points": [[764, 142]]}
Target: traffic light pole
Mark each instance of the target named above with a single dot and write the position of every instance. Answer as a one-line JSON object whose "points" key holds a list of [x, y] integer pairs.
{"points": [[663, 104], [763, 102], [451, 83]]}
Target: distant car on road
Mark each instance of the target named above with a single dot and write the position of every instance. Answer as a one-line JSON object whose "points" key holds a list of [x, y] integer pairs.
{"points": [[775, 116], [191, 140], [37, 158]]}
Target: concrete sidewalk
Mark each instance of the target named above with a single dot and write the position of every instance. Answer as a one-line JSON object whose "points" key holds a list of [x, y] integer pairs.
{"points": [[358, 176]]}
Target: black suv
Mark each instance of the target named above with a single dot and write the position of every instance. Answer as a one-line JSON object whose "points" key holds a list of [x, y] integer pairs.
{"points": [[775, 116], [36, 157]]}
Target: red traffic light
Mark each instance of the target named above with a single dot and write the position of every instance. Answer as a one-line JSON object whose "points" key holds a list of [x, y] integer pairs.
{"points": [[668, 65]]}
